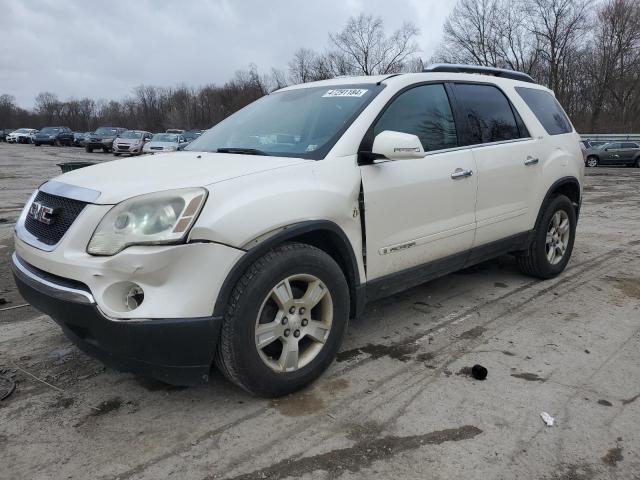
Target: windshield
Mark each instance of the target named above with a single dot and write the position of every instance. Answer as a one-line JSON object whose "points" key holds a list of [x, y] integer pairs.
{"points": [[50, 130], [303, 123], [106, 131], [131, 134], [165, 137], [22, 130]]}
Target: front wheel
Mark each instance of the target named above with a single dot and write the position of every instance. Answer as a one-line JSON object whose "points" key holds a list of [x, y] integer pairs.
{"points": [[592, 161], [552, 244], [284, 322]]}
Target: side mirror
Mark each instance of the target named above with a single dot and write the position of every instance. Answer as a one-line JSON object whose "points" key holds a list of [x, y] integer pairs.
{"points": [[397, 145]]}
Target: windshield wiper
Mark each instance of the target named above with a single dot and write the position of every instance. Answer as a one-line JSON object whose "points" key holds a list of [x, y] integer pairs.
{"points": [[241, 151]]}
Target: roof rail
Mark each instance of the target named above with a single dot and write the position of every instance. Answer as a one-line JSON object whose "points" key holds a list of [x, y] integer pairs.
{"points": [[498, 72]]}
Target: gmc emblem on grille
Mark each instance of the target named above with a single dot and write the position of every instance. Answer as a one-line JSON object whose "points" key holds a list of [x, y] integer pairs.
{"points": [[42, 213]]}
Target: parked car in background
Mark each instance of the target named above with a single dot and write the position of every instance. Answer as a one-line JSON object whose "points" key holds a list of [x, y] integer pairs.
{"points": [[614, 153], [165, 142], [80, 138], [4, 132], [593, 143], [254, 247], [54, 136], [103, 138], [131, 142], [191, 135], [174, 130], [22, 135]]}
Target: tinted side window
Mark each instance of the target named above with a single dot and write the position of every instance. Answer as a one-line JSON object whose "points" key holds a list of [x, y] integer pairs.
{"points": [[423, 111], [614, 146], [547, 109], [629, 145], [488, 113]]}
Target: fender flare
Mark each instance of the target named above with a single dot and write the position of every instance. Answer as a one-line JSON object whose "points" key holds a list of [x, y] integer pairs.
{"points": [[288, 233], [570, 180]]}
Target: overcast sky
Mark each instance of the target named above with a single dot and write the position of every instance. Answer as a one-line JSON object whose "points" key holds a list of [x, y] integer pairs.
{"points": [[104, 49]]}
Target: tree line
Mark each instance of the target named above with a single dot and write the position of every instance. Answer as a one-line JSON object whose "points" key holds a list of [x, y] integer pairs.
{"points": [[587, 51]]}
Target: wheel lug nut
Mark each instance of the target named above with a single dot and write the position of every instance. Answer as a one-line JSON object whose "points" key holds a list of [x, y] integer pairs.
{"points": [[296, 333], [287, 332], [302, 310], [304, 322], [292, 310], [285, 320]]}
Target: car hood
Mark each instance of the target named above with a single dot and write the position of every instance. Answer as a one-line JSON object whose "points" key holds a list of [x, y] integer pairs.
{"points": [[121, 179]]}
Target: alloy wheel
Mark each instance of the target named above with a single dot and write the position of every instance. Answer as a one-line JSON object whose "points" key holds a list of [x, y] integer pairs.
{"points": [[293, 323], [558, 234]]}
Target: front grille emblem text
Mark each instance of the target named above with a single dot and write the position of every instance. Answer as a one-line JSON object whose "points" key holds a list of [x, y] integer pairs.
{"points": [[42, 213]]}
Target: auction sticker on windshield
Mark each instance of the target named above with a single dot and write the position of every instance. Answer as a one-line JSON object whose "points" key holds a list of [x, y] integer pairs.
{"points": [[346, 92]]}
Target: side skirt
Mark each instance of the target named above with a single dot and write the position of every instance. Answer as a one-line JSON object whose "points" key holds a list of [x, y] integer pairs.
{"points": [[405, 279]]}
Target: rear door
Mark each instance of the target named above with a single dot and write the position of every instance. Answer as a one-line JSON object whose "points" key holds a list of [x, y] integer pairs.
{"points": [[416, 212], [507, 159], [629, 152]]}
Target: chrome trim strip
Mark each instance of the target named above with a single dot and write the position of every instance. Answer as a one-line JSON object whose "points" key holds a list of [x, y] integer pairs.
{"points": [[49, 288], [60, 189]]}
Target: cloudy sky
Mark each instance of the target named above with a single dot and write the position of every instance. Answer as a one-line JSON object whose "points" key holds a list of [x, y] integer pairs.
{"points": [[104, 49]]}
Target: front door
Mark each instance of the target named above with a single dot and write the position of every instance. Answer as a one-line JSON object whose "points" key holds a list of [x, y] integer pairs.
{"points": [[420, 210]]}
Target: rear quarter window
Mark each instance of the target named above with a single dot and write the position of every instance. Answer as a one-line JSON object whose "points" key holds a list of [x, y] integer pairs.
{"points": [[546, 109]]}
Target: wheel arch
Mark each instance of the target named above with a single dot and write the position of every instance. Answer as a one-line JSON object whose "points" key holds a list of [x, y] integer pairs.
{"points": [[568, 186], [322, 234]]}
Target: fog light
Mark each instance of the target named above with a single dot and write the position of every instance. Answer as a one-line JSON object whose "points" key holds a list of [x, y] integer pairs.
{"points": [[134, 297]]}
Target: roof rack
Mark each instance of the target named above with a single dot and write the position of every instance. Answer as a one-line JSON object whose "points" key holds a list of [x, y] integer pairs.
{"points": [[497, 72]]}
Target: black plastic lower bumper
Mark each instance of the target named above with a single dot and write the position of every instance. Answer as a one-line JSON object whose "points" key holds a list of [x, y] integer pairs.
{"points": [[175, 351]]}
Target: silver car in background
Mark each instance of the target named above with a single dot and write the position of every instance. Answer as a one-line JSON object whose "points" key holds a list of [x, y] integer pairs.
{"points": [[131, 142], [165, 142]]}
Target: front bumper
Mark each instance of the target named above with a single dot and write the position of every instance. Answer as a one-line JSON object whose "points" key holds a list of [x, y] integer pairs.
{"points": [[178, 351]]}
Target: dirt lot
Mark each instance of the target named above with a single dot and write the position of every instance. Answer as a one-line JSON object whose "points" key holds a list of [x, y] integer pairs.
{"points": [[396, 403]]}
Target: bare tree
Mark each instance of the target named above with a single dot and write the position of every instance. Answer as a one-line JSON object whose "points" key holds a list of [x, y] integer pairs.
{"points": [[365, 49]]}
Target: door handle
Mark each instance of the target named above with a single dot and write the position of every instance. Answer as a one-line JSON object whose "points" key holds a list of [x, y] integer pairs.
{"points": [[460, 173], [531, 161]]}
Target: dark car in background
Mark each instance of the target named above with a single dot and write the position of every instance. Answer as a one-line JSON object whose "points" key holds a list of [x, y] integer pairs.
{"points": [[4, 132], [80, 138], [614, 153], [131, 142], [191, 135], [54, 136], [103, 138]]}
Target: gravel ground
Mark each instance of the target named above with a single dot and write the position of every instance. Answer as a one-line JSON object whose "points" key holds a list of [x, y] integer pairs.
{"points": [[396, 403]]}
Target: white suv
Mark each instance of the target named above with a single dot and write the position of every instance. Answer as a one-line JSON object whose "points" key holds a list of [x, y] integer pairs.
{"points": [[252, 248]]}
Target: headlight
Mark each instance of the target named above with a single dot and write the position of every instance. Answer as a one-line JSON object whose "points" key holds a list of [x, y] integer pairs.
{"points": [[152, 219]]}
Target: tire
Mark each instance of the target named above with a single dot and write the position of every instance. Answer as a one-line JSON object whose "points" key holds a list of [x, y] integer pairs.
{"points": [[592, 161], [536, 260], [106, 149], [57, 143], [253, 302], [636, 164], [36, 144], [88, 149]]}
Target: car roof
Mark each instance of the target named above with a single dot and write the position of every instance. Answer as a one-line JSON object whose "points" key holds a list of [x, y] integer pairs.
{"points": [[402, 79]]}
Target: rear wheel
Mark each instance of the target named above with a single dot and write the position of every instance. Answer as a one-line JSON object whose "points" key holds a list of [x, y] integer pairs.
{"points": [[592, 161], [552, 244], [285, 321]]}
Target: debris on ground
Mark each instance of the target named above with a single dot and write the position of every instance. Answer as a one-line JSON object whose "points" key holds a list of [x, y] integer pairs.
{"points": [[479, 372], [548, 419], [3, 301], [7, 383]]}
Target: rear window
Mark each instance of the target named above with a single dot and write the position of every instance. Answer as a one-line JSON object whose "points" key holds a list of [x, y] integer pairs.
{"points": [[547, 109], [489, 115]]}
